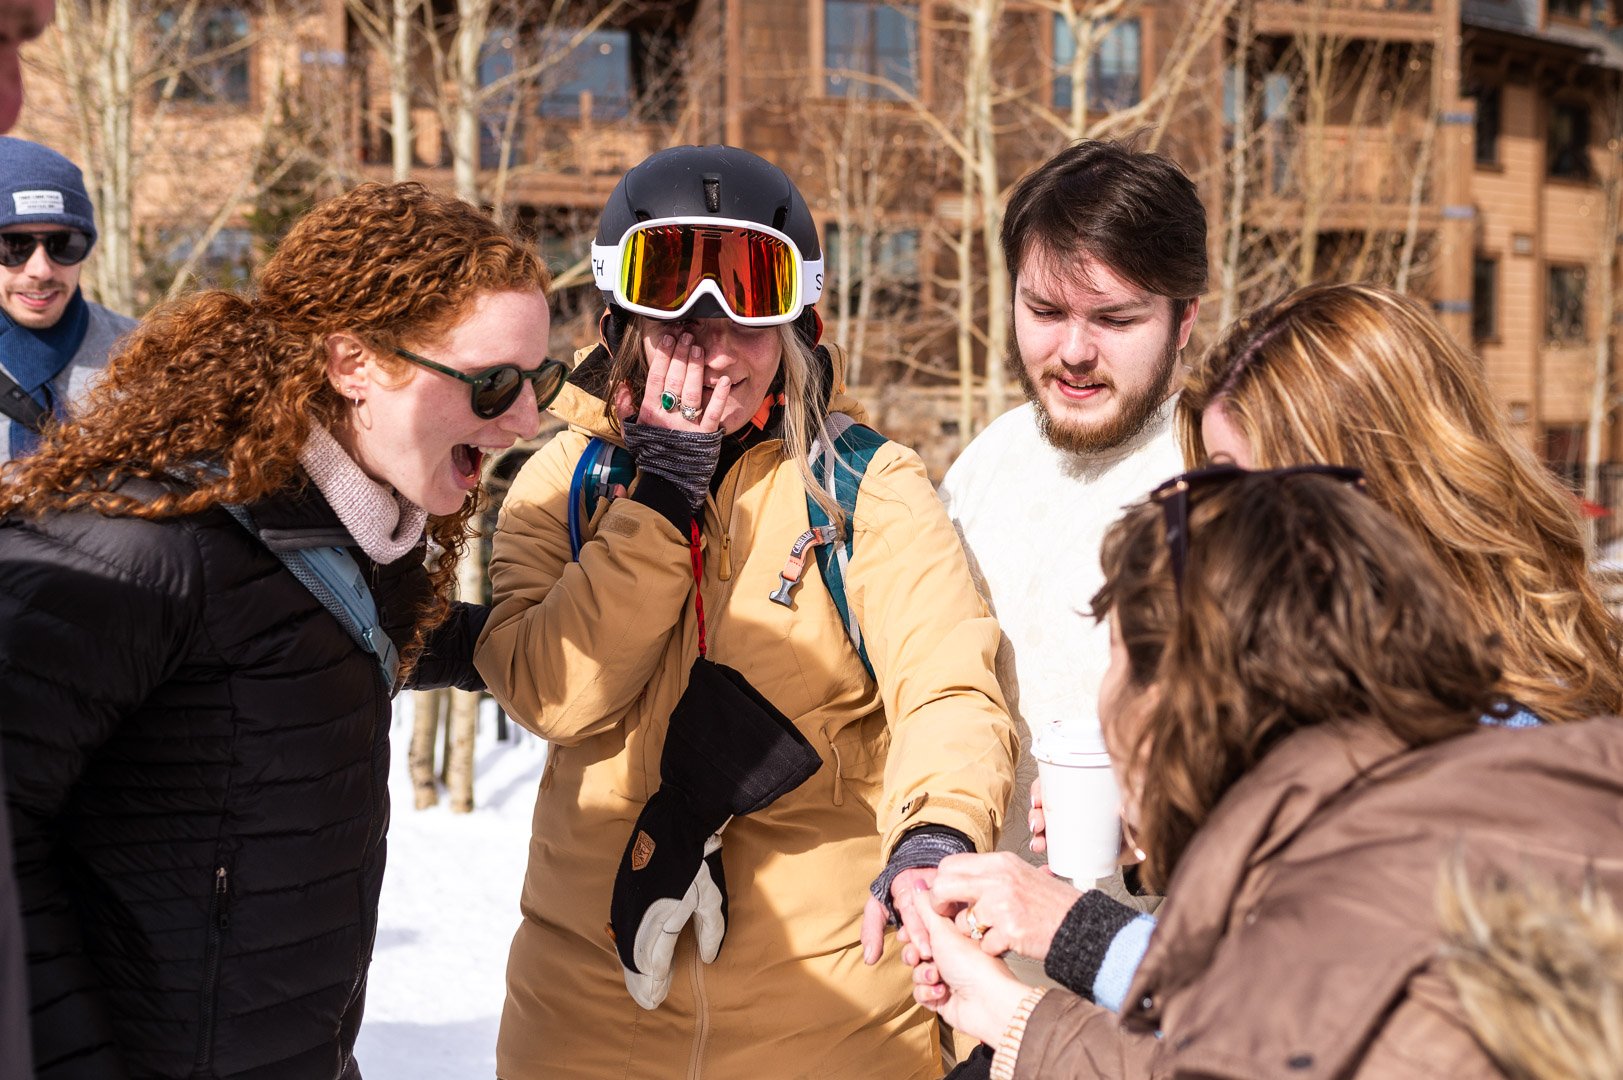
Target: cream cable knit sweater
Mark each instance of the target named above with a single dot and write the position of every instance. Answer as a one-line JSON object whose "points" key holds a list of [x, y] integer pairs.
{"points": [[384, 524], [1032, 519]]}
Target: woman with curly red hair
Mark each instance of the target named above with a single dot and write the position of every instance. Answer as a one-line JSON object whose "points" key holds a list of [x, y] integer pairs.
{"points": [[196, 721]]}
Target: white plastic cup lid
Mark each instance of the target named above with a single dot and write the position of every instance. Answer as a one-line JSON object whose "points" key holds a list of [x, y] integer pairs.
{"points": [[1070, 748]]}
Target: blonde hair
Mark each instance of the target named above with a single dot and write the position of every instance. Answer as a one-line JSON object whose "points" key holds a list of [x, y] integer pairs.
{"points": [[1361, 375], [800, 378], [1539, 972]]}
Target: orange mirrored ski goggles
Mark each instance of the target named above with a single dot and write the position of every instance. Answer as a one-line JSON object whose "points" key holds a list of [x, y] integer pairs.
{"points": [[660, 269]]}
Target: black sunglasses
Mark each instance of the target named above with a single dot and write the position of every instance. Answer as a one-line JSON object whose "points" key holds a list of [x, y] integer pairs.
{"points": [[63, 248], [1173, 498], [495, 389]]}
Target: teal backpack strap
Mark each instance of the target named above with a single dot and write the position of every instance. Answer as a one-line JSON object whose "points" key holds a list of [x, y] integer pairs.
{"points": [[604, 471], [335, 579], [839, 467]]}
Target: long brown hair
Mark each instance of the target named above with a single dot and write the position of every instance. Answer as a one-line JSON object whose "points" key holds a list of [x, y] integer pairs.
{"points": [[1361, 375], [1302, 603], [236, 381]]}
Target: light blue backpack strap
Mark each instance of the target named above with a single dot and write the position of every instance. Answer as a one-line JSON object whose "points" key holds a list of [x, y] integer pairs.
{"points": [[335, 579], [602, 469], [839, 466]]}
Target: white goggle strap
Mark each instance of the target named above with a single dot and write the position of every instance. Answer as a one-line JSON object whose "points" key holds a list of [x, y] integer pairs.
{"points": [[606, 267], [811, 281]]}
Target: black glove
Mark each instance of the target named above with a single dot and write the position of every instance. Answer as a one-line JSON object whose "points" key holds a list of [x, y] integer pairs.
{"points": [[729, 751]]}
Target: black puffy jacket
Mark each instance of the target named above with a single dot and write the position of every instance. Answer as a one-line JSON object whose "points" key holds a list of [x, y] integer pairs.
{"points": [[196, 758]]}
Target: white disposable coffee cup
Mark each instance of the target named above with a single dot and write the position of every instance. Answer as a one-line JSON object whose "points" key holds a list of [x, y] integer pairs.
{"points": [[1081, 809]]}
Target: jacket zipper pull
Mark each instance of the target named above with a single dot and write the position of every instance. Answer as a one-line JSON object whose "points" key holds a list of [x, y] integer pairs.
{"points": [[839, 774], [725, 570], [222, 887]]}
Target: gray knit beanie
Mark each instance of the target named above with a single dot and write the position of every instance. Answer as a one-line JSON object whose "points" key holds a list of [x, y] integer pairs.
{"points": [[38, 186]]}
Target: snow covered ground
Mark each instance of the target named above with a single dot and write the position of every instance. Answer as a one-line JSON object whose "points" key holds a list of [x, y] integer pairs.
{"points": [[449, 909]]}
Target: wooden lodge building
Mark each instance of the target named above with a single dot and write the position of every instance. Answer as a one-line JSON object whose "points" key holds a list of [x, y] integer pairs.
{"points": [[1466, 149]]}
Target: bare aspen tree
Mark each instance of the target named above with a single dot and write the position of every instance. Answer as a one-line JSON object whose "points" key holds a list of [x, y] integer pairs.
{"points": [[464, 97], [1418, 180], [472, 23], [427, 708], [964, 255], [161, 93], [386, 26], [1086, 25], [110, 52], [464, 711], [1228, 270], [984, 17], [1602, 402]]}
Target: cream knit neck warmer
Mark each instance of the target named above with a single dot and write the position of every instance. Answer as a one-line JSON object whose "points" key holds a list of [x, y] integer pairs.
{"points": [[384, 524]]}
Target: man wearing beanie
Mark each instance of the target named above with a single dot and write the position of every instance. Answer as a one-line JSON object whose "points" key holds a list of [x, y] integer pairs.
{"points": [[53, 342]]}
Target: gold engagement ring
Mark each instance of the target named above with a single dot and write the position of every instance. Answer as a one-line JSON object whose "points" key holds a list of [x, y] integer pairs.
{"points": [[976, 930]]}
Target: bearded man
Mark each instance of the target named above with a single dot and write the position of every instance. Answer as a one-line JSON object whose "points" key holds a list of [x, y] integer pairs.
{"points": [[1106, 246]]}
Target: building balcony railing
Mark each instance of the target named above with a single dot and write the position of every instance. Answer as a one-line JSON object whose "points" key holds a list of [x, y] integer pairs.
{"points": [[1410, 7], [549, 159], [1383, 20], [1345, 177]]}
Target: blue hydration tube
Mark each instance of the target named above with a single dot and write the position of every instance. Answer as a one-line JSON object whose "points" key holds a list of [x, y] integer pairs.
{"points": [[577, 494]]}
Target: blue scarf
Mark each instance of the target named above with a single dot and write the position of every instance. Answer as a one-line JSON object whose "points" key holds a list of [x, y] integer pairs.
{"points": [[33, 358]]}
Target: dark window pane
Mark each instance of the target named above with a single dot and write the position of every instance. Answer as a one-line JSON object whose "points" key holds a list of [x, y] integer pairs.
{"points": [[1570, 9], [1113, 69], [497, 61], [1569, 141], [1487, 125], [213, 59], [894, 268], [1484, 316], [599, 65], [866, 38], [1564, 452], [1564, 312]]}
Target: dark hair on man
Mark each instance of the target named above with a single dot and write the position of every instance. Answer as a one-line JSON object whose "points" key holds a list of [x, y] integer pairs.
{"points": [[1132, 210]]}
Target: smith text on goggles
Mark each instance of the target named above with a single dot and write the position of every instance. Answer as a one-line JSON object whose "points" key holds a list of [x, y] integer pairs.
{"points": [[660, 268]]}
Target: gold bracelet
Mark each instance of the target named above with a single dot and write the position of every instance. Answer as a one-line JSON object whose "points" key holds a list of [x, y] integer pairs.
{"points": [[1008, 1048]]}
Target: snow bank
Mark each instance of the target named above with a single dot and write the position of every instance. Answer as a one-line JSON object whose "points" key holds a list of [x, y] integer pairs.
{"points": [[449, 909]]}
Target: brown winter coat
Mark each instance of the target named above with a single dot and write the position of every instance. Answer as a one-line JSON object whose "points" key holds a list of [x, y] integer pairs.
{"points": [[1300, 934], [593, 656]]}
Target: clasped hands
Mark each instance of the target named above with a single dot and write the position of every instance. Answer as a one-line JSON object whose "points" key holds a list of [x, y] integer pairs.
{"points": [[963, 918]]}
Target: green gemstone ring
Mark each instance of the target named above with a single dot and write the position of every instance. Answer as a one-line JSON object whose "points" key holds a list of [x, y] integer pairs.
{"points": [[667, 401]]}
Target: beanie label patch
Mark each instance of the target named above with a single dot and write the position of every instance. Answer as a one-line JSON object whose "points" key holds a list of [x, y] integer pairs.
{"points": [[38, 202]]}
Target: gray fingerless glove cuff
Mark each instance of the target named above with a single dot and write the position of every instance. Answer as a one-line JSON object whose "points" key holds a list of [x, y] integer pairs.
{"points": [[925, 846], [1082, 940], [685, 458]]}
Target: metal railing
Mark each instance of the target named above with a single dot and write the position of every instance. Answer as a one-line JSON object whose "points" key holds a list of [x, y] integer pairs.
{"points": [[1408, 7]]}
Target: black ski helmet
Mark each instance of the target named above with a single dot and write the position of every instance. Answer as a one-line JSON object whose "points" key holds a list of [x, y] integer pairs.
{"points": [[707, 181]]}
